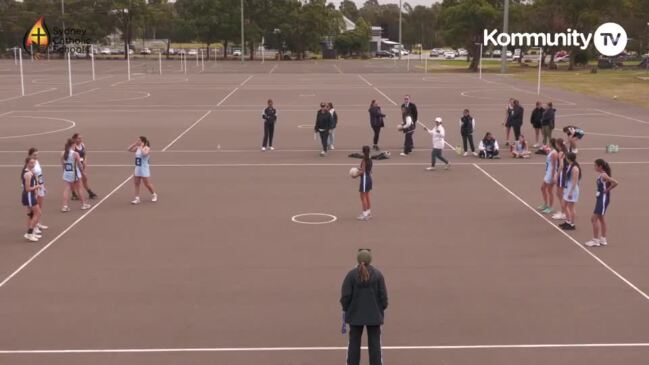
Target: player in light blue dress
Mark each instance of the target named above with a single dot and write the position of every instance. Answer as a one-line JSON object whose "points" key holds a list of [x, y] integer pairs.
{"points": [[571, 191], [142, 173], [72, 170], [549, 179]]}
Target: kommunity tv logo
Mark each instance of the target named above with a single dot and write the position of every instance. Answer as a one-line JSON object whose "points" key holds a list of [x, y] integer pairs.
{"points": [[610, 39]]}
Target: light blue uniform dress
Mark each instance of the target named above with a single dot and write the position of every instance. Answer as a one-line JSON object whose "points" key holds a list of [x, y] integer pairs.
{"points": [[141, 164], [71, 171], [548, 167], [38, 172], [570, 182]]}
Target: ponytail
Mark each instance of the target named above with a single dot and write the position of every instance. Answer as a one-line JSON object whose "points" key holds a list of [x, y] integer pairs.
{"points": [[367, 160], [145, 141], [604, 165], [363, 272], [31, 151], [66, 149], [572, 157]]}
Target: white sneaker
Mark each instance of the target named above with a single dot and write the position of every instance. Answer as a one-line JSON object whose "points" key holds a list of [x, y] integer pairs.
{"points": [[37, 235], [323, 154], [430, 168], [603, 242], [402, 154], [465, 154], [154, 198], [559, 216], [42, 226], [136, 201], [263, 148], [475, 154], [65, 209], [362, 217], [30, 237], [86, 207], [272, 148], [593, 243], [536, 145], [448, 166], [37, 231]]}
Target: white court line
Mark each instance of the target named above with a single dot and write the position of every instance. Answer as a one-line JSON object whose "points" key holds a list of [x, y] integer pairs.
{"points": [[385, 96], [338, 69], [273, 69], [72, 125], [617, 135], [234, 91], [577, 243], [246, 80], [186, 130], [622, 116], [326, 348], [55, 239], [66, 97], [365, 80], [6, 113], [32, 94]]}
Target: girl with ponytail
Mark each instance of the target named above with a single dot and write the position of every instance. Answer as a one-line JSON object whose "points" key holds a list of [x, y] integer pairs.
{"points": [[364, 299], [72, 172], [365, 172], [571, 190], [605, 183], [142, 173]]}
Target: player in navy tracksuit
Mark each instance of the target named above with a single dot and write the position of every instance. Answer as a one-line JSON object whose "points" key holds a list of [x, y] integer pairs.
{"points": [[408, 109], [30, 188], [605, 183], [270, 117]]}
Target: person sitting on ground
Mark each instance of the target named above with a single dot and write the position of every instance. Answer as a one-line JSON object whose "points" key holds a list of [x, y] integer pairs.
{"points": [[573, 134], [520, 148], [488, 147]]}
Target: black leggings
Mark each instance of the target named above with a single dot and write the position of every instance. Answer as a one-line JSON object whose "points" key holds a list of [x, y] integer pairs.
{"points": [[377, 134], [517, 131], [373, 344], [468, 138], [324, 138], [408, 144], [269, 131]]}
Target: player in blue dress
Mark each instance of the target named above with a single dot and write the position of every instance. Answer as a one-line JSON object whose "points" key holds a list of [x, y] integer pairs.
{"points": [[560, 178], [30, 188], [72, 170], [80, 148], [142, 149], [365, 173], [605, 183], [40, 193], [571, 191]]}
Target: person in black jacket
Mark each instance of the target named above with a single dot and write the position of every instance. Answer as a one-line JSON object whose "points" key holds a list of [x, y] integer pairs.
{"points": [[364, 299], [517, 118], [537, 116], [270, 117], [467, 126], [508, 120], [323, 123], [376, 122], [408, 109], [547, 123], [334, 124]]}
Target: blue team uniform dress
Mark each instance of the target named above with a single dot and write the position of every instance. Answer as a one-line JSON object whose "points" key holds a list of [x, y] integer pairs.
{"points": [[562, 172], [602, 197], [366, 179], [81, 150], [570, 182], [141, 164], [28, 197], [71, 171], [38, 172]]}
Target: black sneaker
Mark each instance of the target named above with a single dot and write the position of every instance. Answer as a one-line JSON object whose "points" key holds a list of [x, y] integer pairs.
{"points": [[570, 227], [376, 148], [91, 194]]}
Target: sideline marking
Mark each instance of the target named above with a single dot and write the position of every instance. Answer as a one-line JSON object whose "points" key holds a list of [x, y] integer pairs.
{"points": [[577, 243], [622, 116], [72, 125], [186, 130], [66, 97], [36, 93], [326, 348]]}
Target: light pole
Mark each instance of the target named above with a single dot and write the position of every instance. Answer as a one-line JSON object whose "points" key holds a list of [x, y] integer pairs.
{"points": [[480, 65], [243, 47], [63, 21], [400, 23], [538, 83], [503, 55]]}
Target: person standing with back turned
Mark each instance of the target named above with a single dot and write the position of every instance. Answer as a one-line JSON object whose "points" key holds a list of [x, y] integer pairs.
{"points": [[270, 117], [364, 299]]}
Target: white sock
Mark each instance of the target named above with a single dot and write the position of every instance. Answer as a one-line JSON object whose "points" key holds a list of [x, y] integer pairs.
{"points": [[365, 213], [369, 212]]}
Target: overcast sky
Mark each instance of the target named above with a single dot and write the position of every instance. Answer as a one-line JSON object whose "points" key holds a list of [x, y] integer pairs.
{"points": [[413, 3]]}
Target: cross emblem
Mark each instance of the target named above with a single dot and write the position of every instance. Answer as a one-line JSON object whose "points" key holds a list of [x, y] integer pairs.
{"points": [[38, 35]]}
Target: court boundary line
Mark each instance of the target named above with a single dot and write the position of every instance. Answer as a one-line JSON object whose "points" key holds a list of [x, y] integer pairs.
{"points": [[55, 239], [66, 97], [234, 91], [186, 130], [32, 94], [621, 116], [325, 348], [572, 239]]}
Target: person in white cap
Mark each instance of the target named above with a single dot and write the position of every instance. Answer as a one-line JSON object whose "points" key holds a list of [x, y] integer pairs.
{"points": [[438, 134]]}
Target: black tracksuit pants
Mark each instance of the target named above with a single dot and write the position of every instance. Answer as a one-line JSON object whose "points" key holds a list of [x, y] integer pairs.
{"points": [[373, 342], [324, 138], [468, 138], [517, 130], [269, 131], [377, 134], [408, 144]]}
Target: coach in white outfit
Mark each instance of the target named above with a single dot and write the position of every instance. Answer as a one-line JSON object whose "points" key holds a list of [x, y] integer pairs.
{"points": [[438, 134]]}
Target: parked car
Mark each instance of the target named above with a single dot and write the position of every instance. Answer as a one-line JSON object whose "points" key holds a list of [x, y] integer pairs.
{"points": [[396, 52], [496, 53], [193, 52], [462, 52], [436, 52], [449, 55], [105, 51], [384, 54], [509, 54], [145, 51], [236, 52]]}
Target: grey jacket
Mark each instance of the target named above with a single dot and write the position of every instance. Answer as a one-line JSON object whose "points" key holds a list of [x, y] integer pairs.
{"points": [[364, 303]]}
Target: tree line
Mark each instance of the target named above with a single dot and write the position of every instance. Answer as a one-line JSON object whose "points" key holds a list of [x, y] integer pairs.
{"points": [[299, 26]]}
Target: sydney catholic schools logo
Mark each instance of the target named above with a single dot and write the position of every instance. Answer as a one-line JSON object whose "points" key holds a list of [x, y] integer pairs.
{"points": [[610, 39], [37, 38]]}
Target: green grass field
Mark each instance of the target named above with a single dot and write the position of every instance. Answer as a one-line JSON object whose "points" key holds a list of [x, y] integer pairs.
{"points": [[628, 85]]}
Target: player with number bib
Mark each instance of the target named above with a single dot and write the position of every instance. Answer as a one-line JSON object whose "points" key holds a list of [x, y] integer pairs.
{"points": [[142, 149], [72, 170], [605, 183]]}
